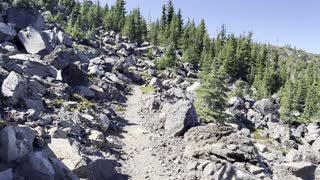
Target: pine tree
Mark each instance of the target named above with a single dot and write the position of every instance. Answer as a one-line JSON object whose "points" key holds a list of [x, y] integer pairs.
{"points": [[135, 26], [286, 100], [228, 57], [170, 13], [210, 96], [169, 58], [220, 40], [243, 58], [312, 102], [115, 18], [163, 21], [154, 33]]}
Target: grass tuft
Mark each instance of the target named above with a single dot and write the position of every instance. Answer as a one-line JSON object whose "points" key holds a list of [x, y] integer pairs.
{"points": [[120, 108], [147, 89]]}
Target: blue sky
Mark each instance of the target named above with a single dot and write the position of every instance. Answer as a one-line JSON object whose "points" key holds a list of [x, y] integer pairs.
{"points": [[279, 22]]}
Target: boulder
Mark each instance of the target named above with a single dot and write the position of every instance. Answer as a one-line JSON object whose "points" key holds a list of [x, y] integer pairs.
{"points": [[74, 76], [34, 42], [6, 174], [64, 39], [67, 152], [14, 87], [99, 169], [61, 57], [121, 65], [34, 104], [109, 40], [37, 68], [15, 142], [61, 171], [193, 87], [155, 82], [264, 106], [57, 133], [104, 122], [7, 47], [176, 93], [181, 117], [316, 145], [210, 169], [70, 123], [6, 32], [114, 142], [192, 165], [236, 102], [98, 66], [36, 166], [96, 137], [24, 17], [295, 170]]}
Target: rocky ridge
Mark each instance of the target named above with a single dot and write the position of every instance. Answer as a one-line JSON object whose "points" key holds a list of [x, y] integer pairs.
{"points": [[67, 113]]}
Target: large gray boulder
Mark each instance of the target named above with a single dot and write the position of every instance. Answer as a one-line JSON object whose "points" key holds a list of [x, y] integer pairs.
{"points": [[236, 102], [74, 76], [6, 175], [67, 152], [64, 39], [36, 166], [40, 69], [316, 145], [6, 32], [34, 42], [122, 65], [264, 106], [181, 117], [24, 17], [15, 142], [61, 171], [14, 87], [99, 66], [295, 170], [61, 57]]}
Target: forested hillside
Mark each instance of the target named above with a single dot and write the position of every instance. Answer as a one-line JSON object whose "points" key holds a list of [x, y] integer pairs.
{"points": [[260, 70], [97, 91]]}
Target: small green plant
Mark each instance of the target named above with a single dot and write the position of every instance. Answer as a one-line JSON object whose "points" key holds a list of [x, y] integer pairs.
{"points": [[3, 123], [257, 136], [83, 103], [147, 89], [149, 54], [144, 75], [57, 102], [119, 108]]}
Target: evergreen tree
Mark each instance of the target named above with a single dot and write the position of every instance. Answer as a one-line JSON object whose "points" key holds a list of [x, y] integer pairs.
{"points": [[228, 57], [312, 102], [163, 21], [154, 33], [115, 17], [286, 100], [210, 102], [169, 58], [135, 26], [170, 13]]}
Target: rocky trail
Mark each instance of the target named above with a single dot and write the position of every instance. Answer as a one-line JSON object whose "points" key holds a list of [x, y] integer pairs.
{"points": [[140, 161], [62, 114]]}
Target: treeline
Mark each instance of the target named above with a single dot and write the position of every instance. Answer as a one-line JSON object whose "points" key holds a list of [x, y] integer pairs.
{"points": [[259, 70]]}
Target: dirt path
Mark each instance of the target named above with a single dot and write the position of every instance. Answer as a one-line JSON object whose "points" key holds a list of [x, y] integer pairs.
{"points": [[140, 160]]}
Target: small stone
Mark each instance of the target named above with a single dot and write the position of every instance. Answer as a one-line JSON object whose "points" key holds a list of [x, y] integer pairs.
{"points": [[97, 137], [192, 165], [57, 133]]}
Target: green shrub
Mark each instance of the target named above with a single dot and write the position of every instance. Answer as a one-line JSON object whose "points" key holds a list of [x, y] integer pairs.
{"points": [[83, 103], [119, 108], [147, 89]]}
